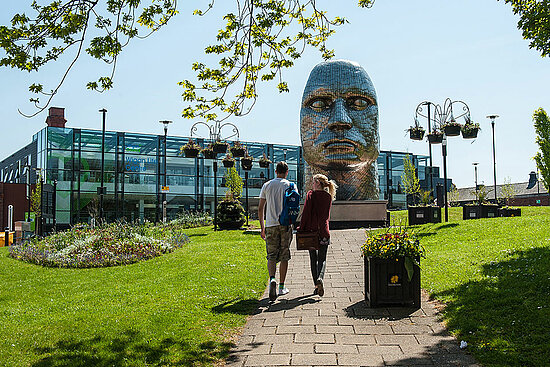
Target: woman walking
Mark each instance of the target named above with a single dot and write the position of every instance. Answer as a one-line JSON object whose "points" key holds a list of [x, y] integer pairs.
{"points": [[315, 217]]}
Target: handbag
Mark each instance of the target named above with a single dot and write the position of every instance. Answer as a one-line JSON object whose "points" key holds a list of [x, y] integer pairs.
{"points": [[307, 240]]}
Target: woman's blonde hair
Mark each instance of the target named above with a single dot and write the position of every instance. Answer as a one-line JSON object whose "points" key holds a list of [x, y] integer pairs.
{"points": [[328, 185]]}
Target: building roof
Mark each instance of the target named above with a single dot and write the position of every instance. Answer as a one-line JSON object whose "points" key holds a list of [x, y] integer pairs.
{"points": [[520, 189]]}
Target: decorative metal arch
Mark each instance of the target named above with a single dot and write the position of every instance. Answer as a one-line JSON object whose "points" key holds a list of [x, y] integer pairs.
{"points": [[215, 130]]}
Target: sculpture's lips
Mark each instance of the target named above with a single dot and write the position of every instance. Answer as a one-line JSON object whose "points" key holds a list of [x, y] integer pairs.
{"points": [[340, 146]]}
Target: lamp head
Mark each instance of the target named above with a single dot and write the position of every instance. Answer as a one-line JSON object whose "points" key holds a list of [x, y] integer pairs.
{"points": [[475, 163], [165, 122], [492, 117]]}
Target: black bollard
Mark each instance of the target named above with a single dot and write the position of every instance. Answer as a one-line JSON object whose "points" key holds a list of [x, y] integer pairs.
{"points": [[7, 237]]}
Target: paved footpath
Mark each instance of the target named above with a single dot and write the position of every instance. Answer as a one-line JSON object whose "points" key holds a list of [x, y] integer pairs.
{"points": [[301, 329]]}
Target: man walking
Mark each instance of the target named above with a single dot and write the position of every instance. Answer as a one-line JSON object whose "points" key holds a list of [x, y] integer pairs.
{"points": [[277, 237]]}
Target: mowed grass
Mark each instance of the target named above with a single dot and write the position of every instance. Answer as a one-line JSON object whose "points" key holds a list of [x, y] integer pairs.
{"points": [[494, 276], [181, 309]]}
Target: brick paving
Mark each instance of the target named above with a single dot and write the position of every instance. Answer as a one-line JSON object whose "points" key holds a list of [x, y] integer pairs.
{"points": [[301, 329]]}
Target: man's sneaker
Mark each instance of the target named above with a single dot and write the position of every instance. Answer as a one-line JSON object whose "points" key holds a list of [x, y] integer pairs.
{"points": [[320, 289], [283, 291], [272, 290]]}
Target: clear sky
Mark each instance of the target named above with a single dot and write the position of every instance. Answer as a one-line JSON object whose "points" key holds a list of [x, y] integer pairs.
{"points": [[469, 50]]}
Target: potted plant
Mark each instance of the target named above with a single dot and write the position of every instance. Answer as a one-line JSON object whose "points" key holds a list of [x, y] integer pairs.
{"points": [[246, 162], [392, 267], [208, 152], [219, 147], [416, 132], [228, 161], [190, 150], [425, 213], [481, 208], [264, 162], [470, 130], [238, 150], [508, 192], [452, 128], [436, 136]]}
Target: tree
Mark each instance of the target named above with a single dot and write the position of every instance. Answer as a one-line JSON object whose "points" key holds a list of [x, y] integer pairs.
{"points": [[233, 182], [508, 191], [260, 39], [542, 158], [409, 179], [533, 22]]}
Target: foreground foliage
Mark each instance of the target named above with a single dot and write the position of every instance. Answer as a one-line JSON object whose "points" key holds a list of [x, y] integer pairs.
{"points": [[180, 309]]}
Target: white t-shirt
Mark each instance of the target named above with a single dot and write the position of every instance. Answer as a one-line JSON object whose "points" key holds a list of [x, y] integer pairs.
{"points": [[273, 192]]}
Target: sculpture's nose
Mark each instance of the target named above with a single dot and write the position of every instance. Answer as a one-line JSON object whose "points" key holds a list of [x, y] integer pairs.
{"points": [[340, 120]]}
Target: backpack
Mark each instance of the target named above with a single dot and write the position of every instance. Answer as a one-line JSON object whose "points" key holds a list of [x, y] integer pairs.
{"points": [[291, 206]]}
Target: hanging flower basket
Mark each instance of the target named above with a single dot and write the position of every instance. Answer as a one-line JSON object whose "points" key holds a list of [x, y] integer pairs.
{"points": [[435, 138], [264, 162], [470, 130], [238, 150], [191, 152], [452, 129], [416, 133], [228, 161], [246, 163], [219, 147], [208, 154]]}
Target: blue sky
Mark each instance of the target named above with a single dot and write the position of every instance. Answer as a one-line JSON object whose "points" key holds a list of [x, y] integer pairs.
{"points": [[469, 50]]}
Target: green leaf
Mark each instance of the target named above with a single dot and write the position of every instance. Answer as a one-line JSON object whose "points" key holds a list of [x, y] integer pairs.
{"points": [[409, 265]]}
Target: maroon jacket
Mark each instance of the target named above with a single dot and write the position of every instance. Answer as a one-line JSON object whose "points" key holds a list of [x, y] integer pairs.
{"points": [[316, 213]]}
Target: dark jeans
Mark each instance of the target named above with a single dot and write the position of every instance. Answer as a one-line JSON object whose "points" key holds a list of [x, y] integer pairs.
{"points": [[318, 262]]}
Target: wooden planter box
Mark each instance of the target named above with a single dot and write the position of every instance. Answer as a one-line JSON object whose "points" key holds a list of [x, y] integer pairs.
{"points": [[416, 134], [191, 152], [470, 134], [509, 212], [479, 211], [387, 283], [452, 130], [228, 164], [424, 214], [435, 138]]}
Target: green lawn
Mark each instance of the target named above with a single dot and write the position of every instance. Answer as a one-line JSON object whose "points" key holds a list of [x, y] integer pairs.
{"points": [[182, 308], [494, 276]]}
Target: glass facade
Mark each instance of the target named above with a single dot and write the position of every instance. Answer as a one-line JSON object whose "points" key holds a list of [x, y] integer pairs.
{"points": [[134, 173]]}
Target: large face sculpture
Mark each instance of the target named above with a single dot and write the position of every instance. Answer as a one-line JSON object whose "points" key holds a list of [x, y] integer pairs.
{"points": [[339, 117]]}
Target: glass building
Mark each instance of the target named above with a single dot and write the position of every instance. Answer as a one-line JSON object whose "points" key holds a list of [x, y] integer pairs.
{"points": [[134, 173]]}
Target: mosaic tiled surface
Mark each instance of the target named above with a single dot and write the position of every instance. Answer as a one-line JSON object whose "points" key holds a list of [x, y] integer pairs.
{"points": [[339, 128]]}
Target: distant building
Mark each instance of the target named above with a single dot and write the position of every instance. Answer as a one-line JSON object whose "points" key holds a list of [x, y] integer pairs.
{"points": [[535, 196], [69, 159]]}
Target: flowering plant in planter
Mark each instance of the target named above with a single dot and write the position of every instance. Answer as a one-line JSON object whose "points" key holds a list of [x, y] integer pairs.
{"points": [[190, 149], [264, 161], [416, 132], [228, 161], [436, 136], [208, 152], [238, 150], [392, 244], [219, 146], [451, 128], [470, 130]]}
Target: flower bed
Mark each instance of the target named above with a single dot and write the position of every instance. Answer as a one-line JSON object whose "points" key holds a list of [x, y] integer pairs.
{"points": [[108, 245]]}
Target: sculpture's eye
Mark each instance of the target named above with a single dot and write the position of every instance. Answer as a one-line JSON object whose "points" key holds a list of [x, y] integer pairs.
{"points": [[359, 103], [319, 104]]}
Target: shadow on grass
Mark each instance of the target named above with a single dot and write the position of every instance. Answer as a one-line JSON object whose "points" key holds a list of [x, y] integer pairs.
{"points": [[501, 316], [238, 306], [129, 349], [254, 232], [197, 235]]}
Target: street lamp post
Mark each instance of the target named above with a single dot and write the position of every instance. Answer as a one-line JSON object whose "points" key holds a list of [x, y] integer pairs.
{"points": [[165, 123], [493, 117], [419, 112], [475, 173], [101, 188], [444, 153]]}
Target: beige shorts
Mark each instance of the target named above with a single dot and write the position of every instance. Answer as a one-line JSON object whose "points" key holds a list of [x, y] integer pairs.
{"points": [[277, 242]]}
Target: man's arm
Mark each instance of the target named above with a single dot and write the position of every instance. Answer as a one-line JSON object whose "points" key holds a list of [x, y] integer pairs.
{"points": [[261, 209]]}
